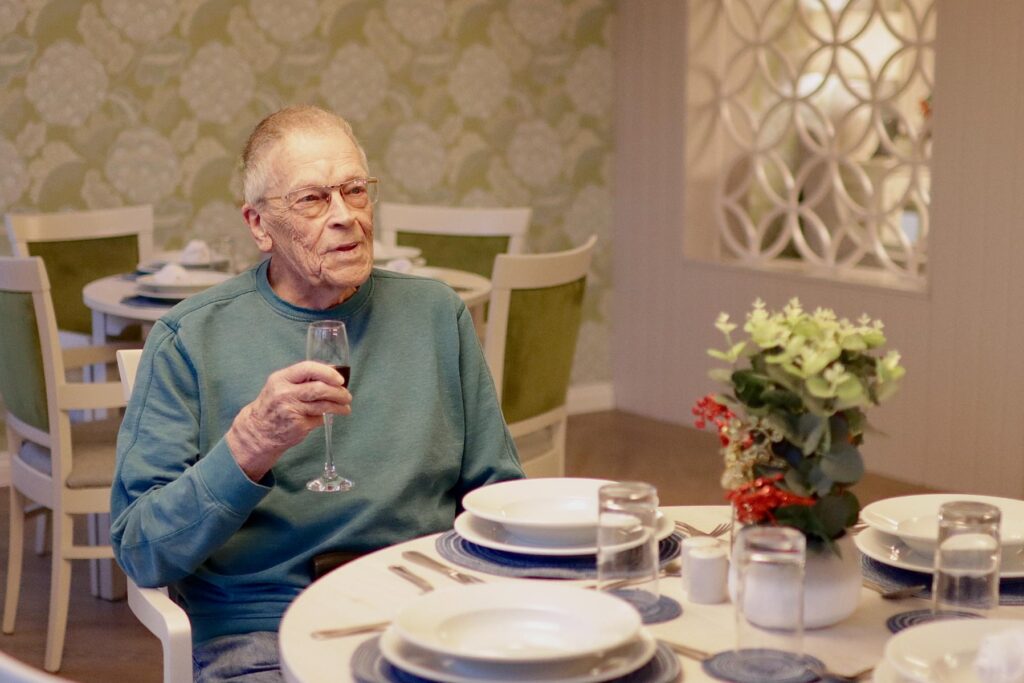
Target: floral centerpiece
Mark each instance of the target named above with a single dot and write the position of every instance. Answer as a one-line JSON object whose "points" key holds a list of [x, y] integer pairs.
{"points": [[793, 418]]}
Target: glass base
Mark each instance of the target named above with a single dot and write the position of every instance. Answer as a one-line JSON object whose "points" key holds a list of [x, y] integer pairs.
{"points": [[332, 485]]}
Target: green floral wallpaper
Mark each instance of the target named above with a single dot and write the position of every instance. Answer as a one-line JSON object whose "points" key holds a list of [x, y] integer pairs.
{"points": [[472, 102]]}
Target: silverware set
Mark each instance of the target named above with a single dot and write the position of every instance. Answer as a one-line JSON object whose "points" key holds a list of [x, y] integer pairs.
{"points": [[715, 532], [430, 563]]}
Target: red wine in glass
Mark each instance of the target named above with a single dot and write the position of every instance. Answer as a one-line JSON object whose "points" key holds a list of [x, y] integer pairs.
{"points": [[327, 342]]}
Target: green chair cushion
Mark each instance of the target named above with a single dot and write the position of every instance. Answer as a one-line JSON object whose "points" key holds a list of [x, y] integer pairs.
{"points": [[462, 252], [72, 264], [540, 345], [22, 381]]}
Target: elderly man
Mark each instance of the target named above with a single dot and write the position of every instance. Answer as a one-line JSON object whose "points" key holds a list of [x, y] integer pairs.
{"points": [[216, 446]]}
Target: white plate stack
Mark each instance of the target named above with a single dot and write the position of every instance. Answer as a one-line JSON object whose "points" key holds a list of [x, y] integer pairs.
{"points": [[544, 517], [903, 531], [509, 632]]}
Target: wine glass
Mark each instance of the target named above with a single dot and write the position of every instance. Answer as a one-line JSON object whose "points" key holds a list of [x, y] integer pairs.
{"points": [[327, 342]]}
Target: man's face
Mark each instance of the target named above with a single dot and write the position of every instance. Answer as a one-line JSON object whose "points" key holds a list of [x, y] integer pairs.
{"points": [[317, 262]]}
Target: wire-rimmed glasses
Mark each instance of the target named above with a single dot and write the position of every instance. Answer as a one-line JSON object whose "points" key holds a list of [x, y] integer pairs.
{"points": [[327, 342], [313, 201]]}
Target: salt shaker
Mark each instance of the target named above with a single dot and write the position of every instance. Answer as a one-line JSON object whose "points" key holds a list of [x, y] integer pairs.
{"points": [[705, 576]]}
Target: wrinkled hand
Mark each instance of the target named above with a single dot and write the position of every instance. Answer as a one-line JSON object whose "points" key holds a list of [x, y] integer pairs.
{"points": [[290, 405]]}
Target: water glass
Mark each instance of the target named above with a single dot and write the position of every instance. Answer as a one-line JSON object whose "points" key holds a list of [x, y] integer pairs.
{"points": [[627, 546], [966, 576], [769, 601]]}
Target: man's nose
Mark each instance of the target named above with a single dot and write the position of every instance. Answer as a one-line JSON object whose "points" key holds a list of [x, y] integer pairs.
{"points": [[338, 211]]}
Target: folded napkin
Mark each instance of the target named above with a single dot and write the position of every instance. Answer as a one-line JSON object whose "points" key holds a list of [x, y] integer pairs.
{"points": [[171, 274], [196, 252], [1011, 591], [1000, 657]]}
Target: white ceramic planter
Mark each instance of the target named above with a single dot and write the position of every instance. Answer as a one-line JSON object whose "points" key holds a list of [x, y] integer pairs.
{"points": [[831, 587]]}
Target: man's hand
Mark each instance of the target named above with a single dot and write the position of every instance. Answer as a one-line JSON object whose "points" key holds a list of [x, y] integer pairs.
{"points": [[290, 405]]}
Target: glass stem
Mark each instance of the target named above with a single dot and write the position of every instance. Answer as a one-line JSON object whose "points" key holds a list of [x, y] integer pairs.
{"points": [[329, 472]]}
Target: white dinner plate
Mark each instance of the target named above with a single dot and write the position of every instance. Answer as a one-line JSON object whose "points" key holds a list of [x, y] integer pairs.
{"points": [[197, 281], [496, 537], [216, 262], [892, 551], [517, 622], [603, 666], [942, 651], [561, 510], [914, 519], [389, 252]]}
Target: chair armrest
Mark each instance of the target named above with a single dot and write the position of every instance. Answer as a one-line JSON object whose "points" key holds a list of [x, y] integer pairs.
{"points": [[166, 620], [89, 395], [78, 356]]}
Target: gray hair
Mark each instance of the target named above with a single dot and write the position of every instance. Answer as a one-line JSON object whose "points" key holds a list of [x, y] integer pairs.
{"points": [[276, 127]]}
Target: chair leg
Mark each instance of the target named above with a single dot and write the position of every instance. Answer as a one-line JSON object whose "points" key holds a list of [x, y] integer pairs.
{"points": [[42, 531], [60, 591], [15, 545]]}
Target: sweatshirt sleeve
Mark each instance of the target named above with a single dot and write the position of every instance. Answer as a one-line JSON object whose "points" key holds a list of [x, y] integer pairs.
{"points": [[489, 452], [171, 505]]}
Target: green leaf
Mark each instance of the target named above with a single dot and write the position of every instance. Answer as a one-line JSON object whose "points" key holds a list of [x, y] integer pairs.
{"points": [[723, 375], [819, 481], [782, 399], [837, 511], [811, 428], [749, 387], [843, 463]]}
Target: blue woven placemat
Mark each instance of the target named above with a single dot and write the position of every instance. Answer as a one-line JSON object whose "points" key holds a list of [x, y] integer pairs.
{"points": [[369, 666], [455, 548], [761, 665], [898, 622], [1011, 591], [142, 300]]}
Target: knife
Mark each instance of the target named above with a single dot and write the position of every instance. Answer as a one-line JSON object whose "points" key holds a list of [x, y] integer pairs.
{"points": [[429, 562], [417, 581]]}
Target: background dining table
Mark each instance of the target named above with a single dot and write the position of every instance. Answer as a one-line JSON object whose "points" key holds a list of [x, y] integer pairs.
{"points": [[365, 591]]}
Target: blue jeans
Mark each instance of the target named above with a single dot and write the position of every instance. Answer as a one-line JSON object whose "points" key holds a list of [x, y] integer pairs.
{"points": [[240, 658]]}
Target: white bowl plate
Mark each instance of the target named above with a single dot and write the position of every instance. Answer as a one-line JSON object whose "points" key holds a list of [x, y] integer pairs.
{"points": [[389, 252], [541, 511], [216, 262], [517, 623], [914, 519], [892, 551], [496, 537], [603, 666], [942, 651], [198, 280]]}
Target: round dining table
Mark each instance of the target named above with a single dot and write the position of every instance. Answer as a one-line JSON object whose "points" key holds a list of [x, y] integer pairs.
{"points": [[114, 302], [365, 591]]}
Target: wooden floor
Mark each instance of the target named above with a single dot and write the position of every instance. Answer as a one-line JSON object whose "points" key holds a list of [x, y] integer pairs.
{"points": [[105, 643]]}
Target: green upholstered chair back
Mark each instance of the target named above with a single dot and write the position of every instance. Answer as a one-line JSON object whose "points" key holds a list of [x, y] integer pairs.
{"points": [[22, 379], [464, 238], [75, 263], [540, 344], [81, 246], [473, 254]]}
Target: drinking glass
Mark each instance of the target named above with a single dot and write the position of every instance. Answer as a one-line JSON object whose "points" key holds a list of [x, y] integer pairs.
{"points": [[966, 576], [327, 342], [627, 546], [769, 602]]}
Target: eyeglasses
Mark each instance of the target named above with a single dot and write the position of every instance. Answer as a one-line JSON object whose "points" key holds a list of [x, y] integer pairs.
{"points": [[313, 201]]}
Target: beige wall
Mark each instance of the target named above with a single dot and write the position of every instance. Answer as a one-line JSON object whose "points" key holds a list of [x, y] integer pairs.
{"points": [[956, 422]]}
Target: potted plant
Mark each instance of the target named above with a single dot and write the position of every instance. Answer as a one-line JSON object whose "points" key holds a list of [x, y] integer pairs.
{"points": [[791, 424]]}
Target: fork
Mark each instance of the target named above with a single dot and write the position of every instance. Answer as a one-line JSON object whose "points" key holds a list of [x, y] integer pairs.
{"points": [[414, 579], [429, 562], [691, 530], [822, 673]]}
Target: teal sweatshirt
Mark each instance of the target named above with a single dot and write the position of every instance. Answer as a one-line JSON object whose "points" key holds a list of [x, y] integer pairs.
{"points": [[426, 428]]}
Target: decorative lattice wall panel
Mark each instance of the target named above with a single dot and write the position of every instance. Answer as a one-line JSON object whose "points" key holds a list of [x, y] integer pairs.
{"points": [[809, 132]]}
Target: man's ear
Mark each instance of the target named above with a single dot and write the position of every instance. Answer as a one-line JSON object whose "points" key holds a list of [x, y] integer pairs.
{"points": [[264, 242]]}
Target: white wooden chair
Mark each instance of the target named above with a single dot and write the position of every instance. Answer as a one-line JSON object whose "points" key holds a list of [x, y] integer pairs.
{"points": [[79, 247], [16, 671], [535, 313], [55, 464], [163, 617], [465, 238]]}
